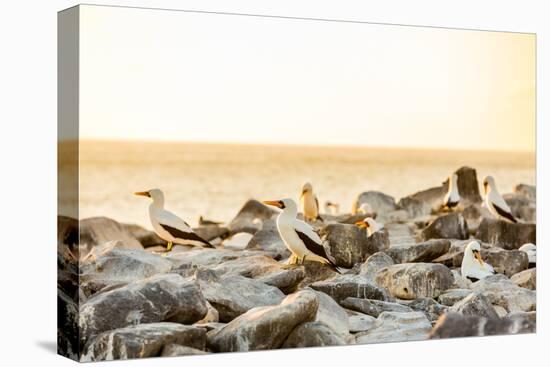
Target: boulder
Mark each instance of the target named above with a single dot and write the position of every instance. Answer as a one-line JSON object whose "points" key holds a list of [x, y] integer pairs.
{"points": [[526, 279], [457, 325], [529, 191], [344, 286], [268, 239], [401, 233], [68, 342], [98, 230], [475, 304], [313, 334], [429, 307], [452, 296], [508, 262], [349, 244], [501, 291], [509, 236], [380, 203], [145, 237], [468, 187], [212, 315], [447, 226], [374, 263], [163, 297], [360, 322], [265, 327], [414, 280], [433, 196], [314, 272], [474, 214], [142, 341], [373, 307], [211, 231], [176, 350], [522, 207], [207, 257], [419, 252], [414, 207], [396, 327], [250, 217], [332, 314]]}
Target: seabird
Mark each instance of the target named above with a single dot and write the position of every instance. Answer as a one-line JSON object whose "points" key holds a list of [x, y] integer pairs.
{"points": [[310, 203], [298, 236], [169, 226], [452, 197], [364, 208], [473, 267], [332, 208], [370, 224], [531, 250], [494, 201]]}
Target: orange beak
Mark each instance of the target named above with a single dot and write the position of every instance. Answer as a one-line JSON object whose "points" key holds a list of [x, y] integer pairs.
{"points": [[273, 203], [361, 224], [477, 255], [143, 193]]}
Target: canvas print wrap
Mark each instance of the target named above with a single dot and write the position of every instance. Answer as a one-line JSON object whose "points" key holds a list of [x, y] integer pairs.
{"points": [[233, 183]]}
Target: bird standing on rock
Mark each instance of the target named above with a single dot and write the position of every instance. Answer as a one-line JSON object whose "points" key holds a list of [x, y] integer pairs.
{"points": [[169, 226], [452, 196], [370, 224], [310, 203], [494, 201], [473, 267], [298, 236]]}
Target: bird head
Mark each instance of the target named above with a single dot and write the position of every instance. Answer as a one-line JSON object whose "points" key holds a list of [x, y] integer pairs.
{"points": [[365, 223], [155, 194], [307, 188], [474, 247], [488, 182], [281, 204], [454, 177]]}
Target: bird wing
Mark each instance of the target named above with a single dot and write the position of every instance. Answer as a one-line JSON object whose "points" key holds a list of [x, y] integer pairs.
{"points": [[316, 203], [311, 239], [497, 200], [506, 214], [179, 228]]}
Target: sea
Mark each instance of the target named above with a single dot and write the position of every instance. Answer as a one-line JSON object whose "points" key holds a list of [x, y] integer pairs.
{"points": [[215, 180]]}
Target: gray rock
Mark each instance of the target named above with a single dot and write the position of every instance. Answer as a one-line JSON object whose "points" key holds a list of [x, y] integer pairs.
{"points": [[360, 322], [378, 201], [508, 262], [474, 214], [374, 263], [141, 341], [501, 291], [420, 252], [475, 304], [211, 231], [396, 327], [401, 233], [468, 187], [433, 196], [414, 280], [529, 191], [429, 307], [208, 257], [163, 297], [452, 296], [212, 315], [344, 286], [266, 327], [176, 350], [68, 332], [313, 334], [509, 236], [373, 307], [518, 203], [250, 217], [447, 226], [332, 314], [268, 239], [98, 230], [456, 325], [314, 272], [414, 207], [234, 295], [145, 237], [526, 279]]}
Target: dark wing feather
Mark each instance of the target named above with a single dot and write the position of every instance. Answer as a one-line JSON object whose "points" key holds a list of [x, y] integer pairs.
{"points": [[190, 236], [314, 247], [504, 213], [318, 214]]}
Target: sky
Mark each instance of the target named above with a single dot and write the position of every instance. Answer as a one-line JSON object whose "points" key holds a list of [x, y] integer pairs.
{"points": [[177, 76]]}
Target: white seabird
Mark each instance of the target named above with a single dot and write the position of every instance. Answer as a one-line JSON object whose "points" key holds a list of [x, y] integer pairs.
{"points": [[309, 203], [364, 208], [298, 236], [531, 250], [494, 201], [370, 224], [169, 226], [332, 208], [452, 197], [473, 267]]}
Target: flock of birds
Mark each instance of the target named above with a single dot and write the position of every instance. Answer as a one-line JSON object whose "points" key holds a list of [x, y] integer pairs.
{"points": [[305, 244]]}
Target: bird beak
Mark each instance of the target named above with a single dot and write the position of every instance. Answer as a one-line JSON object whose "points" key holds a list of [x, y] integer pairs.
{"points": [[272, 203], [477, 255], [361, 224], [485, 184], [143, 193]]}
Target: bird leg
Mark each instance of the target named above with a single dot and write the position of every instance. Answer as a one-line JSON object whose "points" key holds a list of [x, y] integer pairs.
{"points": [[169, 246], [292, 262]]}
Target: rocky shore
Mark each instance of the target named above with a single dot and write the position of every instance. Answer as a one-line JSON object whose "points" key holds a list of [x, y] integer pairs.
{"points": [[120, 297]]}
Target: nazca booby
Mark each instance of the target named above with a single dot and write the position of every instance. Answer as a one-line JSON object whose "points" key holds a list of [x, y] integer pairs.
{"points": [[473, 267], [309, 203], [370, 224], [494, 201], [452, 196]]}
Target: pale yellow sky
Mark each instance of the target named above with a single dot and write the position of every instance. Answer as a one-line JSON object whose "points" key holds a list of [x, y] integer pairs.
{"points": [[167, 75]]}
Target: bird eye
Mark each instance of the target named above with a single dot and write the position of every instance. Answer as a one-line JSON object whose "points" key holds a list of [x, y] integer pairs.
{"points": [[282, 204]]}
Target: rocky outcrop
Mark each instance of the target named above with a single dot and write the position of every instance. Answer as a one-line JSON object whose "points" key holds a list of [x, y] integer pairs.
{"points": [[380, 203], [344, 286], [313, 334], [332, 314], [420, 252], [250, 217], [468, 187], [501, 291], [410, 281], [98, 230], [447, 226], [268, 239], [506, 262], [360, 322], [475, 304], [509, 236], [526, 279], [373, 307], [375, 263], [396, 327]]}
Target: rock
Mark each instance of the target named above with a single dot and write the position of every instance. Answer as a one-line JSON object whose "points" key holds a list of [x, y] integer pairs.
{"points": [[268, 239], [234, 295], [396, 216], [379, 202], [509, 236], [460, 282], [239, 241], [475, 304], [265, 327], [452, 296], [163, 297], [211, 231], [508, 262], [68, 343], [207, 257], [250, 217], [400, 233], [374, 263], [433, 196], [212, 315], [176, 350], [98, 230], [141, 341], [456, 325], [447, 226], [420, 252], [414, 280], [360, 322], [373, 307], [314, 272], [120, 266], [313, 334], [468, 187], [344, 286], [145, 237], [531, 250], [415, 208], [396, 327], [474, 214], [429, 307], [521, 206], [526, 279], [529, 191], [67, 232], [501, 291], [332, 314], [349, 244]]}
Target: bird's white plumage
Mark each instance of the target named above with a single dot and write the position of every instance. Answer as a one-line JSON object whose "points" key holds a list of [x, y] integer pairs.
{"points": [[531, 250], [493, 198], [471, 266], [364, 208], [452, 195], [332, 208], [309, 202], [373, 226]]}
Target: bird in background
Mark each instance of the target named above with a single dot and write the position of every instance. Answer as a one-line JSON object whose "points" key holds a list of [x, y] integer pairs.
{"points": [[309, 203], [302, 241], [169, 226], [494, 201], [452, 197], [370, 224], [473, 267], [332, 208]]}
